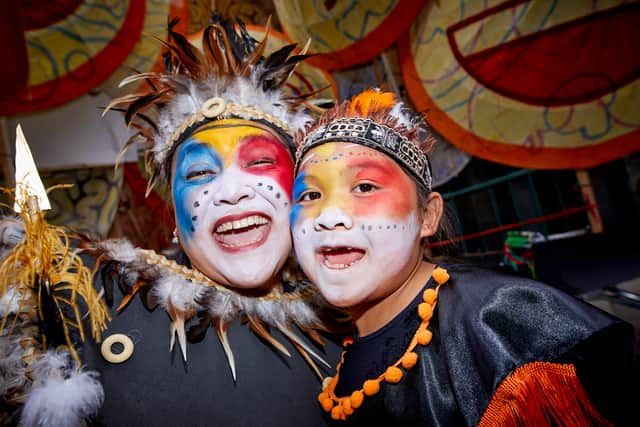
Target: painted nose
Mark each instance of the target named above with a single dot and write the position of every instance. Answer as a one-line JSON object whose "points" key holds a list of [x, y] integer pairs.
{"points": [[331, 218], [232, 189]]}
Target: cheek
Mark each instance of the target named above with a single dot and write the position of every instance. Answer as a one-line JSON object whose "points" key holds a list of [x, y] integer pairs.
{"points": [[393, 203], [189, 201]]}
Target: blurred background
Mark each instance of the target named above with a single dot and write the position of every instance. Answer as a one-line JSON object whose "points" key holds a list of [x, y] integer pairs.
{"points": [[535, 105]]}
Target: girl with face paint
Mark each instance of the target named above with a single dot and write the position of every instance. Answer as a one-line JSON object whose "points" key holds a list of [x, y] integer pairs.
{"points": [[435, 345]]}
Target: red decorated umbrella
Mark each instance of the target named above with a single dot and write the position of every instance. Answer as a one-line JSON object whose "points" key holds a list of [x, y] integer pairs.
{"points": [[346, 32], [532, 84]]}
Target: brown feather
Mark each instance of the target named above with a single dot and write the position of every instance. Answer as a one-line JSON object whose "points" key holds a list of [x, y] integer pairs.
{"points": [[221, 329], [295, 338], [308, 359], [260, 329], [315, 336], [228, 51]]}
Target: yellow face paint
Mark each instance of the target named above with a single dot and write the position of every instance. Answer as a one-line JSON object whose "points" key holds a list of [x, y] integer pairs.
{"points": [[224, 136], [327, 174]]}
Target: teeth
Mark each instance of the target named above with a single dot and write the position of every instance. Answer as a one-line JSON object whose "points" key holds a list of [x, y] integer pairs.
{"points": [[242, 223], [337, 266]]}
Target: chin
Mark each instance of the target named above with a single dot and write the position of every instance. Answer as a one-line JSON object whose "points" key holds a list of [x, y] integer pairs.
{"points": [[340, 295], [249, 281]]}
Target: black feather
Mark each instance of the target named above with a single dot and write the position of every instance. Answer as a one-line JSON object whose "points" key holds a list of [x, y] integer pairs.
{"points": [[235, 42], [248, 41], [144, 117], [140, 103], [273, 78], [279, 56]]}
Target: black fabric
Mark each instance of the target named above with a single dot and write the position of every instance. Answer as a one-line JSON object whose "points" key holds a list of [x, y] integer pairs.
{"points": [[485, 325], [156, 388]]}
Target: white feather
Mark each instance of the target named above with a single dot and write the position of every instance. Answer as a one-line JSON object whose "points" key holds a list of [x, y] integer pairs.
{"points": [[62, 394], [240, 91], [180, 293], [119, 249], [10, 302]]}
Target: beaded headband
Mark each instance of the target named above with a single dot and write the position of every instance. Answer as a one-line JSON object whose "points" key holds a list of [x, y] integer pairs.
{"points": [[373, 135], [217, 108]]}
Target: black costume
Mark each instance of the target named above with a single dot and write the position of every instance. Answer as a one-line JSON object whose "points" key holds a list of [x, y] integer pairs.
{"points": [[156, 388], [485, 325]]}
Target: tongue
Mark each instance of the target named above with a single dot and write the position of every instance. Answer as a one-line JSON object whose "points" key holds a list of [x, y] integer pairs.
{"points": [[242, 237], [343, 255]]}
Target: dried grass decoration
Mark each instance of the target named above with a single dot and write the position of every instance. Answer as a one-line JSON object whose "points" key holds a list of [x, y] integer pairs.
{"points": [[45, 272]]}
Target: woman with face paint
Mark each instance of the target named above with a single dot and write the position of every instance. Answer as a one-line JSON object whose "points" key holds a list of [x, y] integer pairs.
{"points": [[440, 345], [222, 146]]}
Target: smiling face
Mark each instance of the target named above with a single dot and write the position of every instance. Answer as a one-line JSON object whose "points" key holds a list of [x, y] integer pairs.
{"points": [[356, 223], [231, 188]]}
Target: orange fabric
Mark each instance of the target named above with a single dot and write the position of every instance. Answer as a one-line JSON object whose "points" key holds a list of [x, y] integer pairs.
{"points": [[541, 394]]}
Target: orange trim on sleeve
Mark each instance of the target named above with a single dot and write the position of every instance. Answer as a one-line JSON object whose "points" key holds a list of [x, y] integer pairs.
{"points": [[541, 394]]}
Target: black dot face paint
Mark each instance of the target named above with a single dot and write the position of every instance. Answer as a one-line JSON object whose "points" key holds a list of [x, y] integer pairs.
{"points": [[196, 204], [259, 184], [277, 195], [270, 187], [194, 218], [206, 192]]}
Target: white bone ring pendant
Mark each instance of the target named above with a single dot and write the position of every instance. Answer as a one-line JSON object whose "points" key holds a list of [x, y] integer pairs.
{"points": [[109, 355]]}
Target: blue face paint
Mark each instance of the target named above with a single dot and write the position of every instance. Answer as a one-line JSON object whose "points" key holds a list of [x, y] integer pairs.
{"points": [[197, 164], [299, 187]]}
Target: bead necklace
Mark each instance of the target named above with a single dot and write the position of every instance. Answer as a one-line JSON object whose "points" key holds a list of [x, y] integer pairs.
{"points": [[342, 407]]}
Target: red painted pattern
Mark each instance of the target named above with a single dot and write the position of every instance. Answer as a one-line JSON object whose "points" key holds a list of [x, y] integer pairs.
{"points": [[395, 196], [267, 147]]}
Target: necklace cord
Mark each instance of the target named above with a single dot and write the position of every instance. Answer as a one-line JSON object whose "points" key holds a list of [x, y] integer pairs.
{"points": [[342, 407]]}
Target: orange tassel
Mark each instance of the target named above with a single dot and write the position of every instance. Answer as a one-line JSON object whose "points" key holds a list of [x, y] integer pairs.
{"points": [[541, 394]]}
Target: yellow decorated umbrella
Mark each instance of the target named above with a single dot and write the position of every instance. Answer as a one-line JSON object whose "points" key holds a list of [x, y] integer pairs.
{"points": [[346, 32], [72, 48], [533, 84]]}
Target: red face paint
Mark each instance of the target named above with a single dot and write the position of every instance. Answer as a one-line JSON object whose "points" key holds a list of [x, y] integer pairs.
{"points": [[396, 194], [265, 155]]}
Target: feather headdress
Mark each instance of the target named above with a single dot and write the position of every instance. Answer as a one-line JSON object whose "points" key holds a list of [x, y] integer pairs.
{"points": [[230, 77]]}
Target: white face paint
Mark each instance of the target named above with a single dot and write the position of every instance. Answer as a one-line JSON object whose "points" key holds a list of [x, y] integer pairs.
{"points": [[231, 191], [356, 223]]}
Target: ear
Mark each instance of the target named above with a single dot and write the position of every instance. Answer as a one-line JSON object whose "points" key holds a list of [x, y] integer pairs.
{"points": [[432, 213]]}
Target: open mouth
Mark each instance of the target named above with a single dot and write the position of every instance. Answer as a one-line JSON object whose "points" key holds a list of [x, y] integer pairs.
{"points": [[340, 257], [246, 231]]}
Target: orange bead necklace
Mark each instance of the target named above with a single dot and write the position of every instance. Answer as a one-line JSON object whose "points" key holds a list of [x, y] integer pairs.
{"points": [[342, 407]]}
